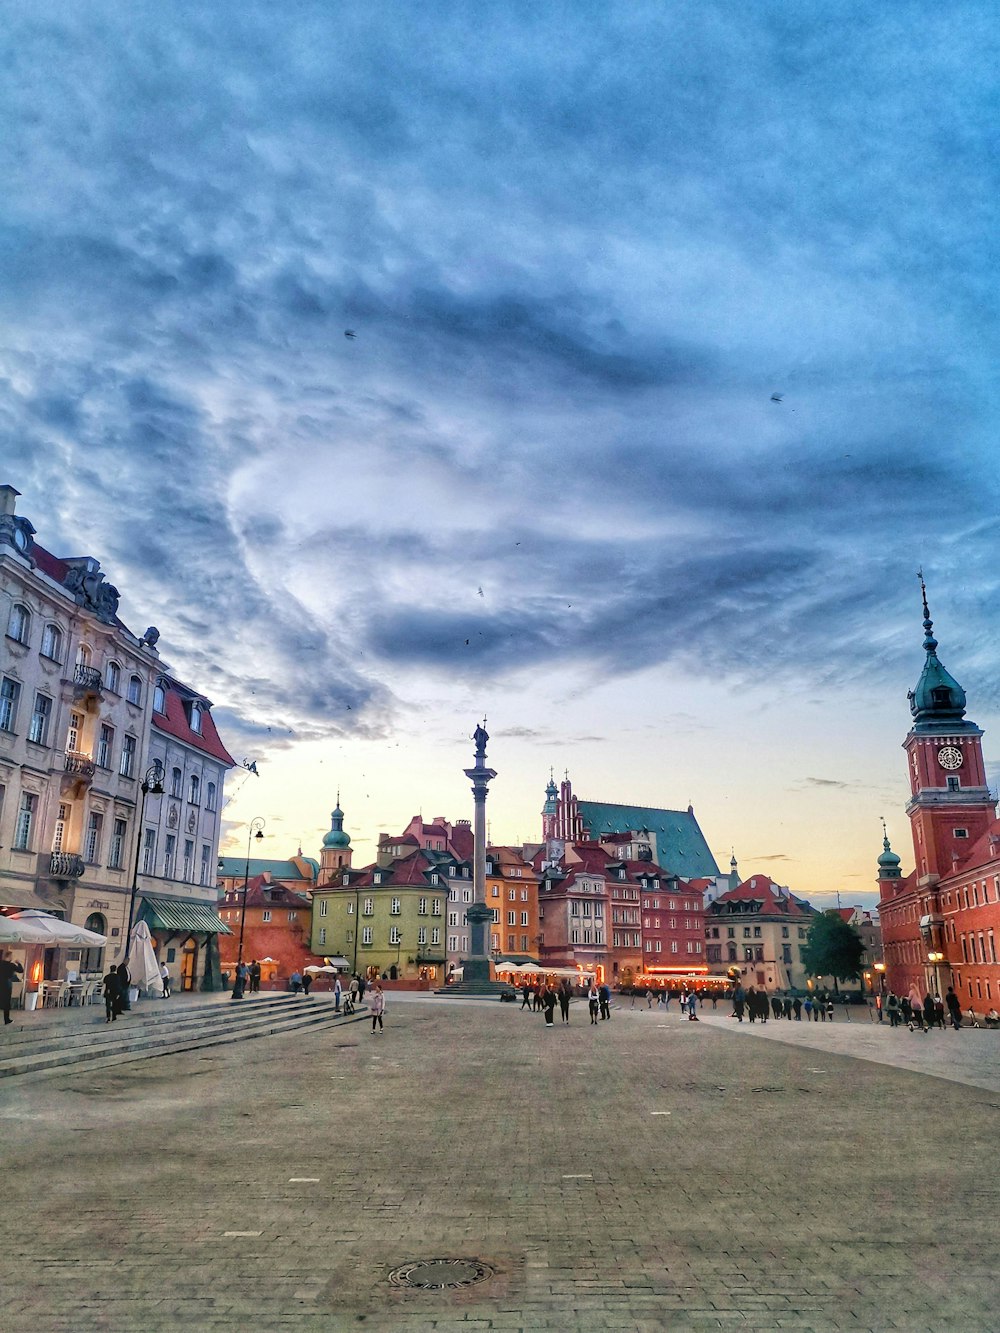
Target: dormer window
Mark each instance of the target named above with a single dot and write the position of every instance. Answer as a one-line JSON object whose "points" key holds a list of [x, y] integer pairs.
{"points": [[377, 877], [196, 718], [159, 699]]}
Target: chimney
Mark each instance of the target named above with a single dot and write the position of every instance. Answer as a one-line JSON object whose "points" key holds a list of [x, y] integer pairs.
{"points": [[8, 499]]}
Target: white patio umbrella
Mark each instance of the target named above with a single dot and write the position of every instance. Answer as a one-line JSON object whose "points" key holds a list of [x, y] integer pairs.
{"points": [[143, 969], [33, 927]]}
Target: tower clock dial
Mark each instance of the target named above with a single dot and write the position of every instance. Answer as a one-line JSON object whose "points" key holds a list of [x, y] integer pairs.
{"points": [[949, 757]]}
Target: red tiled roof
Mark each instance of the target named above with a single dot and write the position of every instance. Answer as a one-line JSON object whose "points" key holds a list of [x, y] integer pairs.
{"points": [[463, 842], [262, 891], [406, 870], [48, 563], [771, 896], [174, 722]]}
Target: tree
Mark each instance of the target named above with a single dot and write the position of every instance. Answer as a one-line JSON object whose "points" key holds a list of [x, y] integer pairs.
{"points": [[832, 948]]}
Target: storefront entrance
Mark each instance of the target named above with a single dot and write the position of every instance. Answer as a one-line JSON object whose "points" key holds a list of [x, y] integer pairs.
{"points": [[189, 965]]}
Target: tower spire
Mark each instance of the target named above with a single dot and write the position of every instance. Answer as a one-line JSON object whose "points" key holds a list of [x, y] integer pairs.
{"points": [[930, 643]]}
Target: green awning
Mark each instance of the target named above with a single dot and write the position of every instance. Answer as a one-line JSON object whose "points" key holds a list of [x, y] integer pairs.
{"points": [[181, 916]]}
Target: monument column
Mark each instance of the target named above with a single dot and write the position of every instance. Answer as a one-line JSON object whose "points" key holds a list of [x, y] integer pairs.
{"points": [[477, 965]]}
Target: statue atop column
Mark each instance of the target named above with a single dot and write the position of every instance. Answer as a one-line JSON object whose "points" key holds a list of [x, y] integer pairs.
{"points": [[481, 736]]}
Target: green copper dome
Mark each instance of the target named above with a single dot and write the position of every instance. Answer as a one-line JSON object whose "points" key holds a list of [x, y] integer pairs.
{"points": [[888, 860], [337, 837], [938, 697]]}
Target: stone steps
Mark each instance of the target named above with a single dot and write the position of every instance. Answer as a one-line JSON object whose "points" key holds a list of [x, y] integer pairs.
{"points": [[198, 1026]]}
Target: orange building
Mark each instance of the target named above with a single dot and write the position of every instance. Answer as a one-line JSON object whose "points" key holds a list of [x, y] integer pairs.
{"points": [[512, 895], [277, 925]]}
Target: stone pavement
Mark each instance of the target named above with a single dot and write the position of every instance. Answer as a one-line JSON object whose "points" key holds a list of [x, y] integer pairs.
{"points": [[643, 1174]]}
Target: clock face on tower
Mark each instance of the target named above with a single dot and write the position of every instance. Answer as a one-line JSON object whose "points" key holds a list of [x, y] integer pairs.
{"points": [[949, 757]]}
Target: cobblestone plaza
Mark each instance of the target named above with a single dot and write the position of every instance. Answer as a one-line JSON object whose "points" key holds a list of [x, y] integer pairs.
{"points": [[640, 1174]]}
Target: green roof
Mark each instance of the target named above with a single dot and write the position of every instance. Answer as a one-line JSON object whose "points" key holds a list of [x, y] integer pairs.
{"points": [[680, 846], [236, 867], [181, 914]]}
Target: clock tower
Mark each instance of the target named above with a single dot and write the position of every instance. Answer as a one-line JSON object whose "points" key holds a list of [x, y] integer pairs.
{"points": [[950, 805]]}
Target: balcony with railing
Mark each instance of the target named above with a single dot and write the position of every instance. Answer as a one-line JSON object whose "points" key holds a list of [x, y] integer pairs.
{"points": [[87, 679], [78, 765], [65, 865]]}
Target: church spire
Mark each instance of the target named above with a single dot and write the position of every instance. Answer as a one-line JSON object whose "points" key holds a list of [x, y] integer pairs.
{"points": [[888, 862], [938, 697]]}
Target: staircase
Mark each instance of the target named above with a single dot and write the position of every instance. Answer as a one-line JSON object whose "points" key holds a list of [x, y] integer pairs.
{"points": [[83, 1040]]}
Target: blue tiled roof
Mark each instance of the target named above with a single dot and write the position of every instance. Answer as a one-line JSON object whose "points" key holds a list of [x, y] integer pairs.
{"points": [[236, 866], [680, 845]]}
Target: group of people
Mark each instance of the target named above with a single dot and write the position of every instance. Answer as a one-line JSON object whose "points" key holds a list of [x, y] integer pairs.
{"points": [[542, 997], [688, 1000], [116, 983], [247, 979], [758, 1006], [922, 1015]]}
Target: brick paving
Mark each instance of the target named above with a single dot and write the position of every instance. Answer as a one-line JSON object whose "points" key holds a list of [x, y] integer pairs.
{"points": [[781, 1191]]}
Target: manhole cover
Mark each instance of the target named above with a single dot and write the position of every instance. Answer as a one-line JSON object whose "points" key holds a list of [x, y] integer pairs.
{"points": [[436, 1274]]}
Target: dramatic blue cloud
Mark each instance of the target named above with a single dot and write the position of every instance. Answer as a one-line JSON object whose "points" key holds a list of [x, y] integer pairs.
{"points": [[580, 246]]}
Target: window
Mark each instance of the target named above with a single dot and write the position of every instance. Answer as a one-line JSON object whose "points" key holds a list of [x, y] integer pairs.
{"points": [[422, 935], [38, 730], [204, 875], [10, 692], [368, 908], [435, 934], [52, 643], [524, 918], [511, 918], [377, 877], [159, 699], [25, 819], [322, 934], [188, 859], [169, 850], [19, 624], [265, 916], [512, 895], [323, 906], [148, 851], [524, 895], [366, 935], [756, 932], [92, 846], [134, 690], [394, 935], [73, 732], [435, 879], [113, 680], [961, 833], [59, 834], [194, 789], [196, 718], [452, 943], [435, 907], [117, 858], [394, 907], [494, 891], [176, 781], [673, 946], [105, 746], [210, 796], [422, 907], [293, 916], [126, 764]]}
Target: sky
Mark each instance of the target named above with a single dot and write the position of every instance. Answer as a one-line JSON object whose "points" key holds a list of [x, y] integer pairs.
{"points": [[581, 247]]}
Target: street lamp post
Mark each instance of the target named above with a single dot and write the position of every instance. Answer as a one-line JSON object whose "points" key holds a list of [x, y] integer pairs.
{"points": [[151, 785], [256, 830], [935, 957]]}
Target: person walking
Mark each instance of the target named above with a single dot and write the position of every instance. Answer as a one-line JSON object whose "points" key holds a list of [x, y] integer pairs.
{"points": [[536, 1003], [165, 981], [939, 1011], [338, 991], [604, 998], [307, 981], [954, 1008], [739, 1000], [526, 997], [751, 1004], [892, 1008], [549, 1005], [829, 1008], [352, 992], [928, 1007], [594, 1001], [112, 995], [240, 981], [797, 1009], [692, 1007], [254, 977], [377, 1007], [564, 998], [787, 1006], [8, 971], [776, 1006], [808, 1007], [362, 986], [649, 998]]}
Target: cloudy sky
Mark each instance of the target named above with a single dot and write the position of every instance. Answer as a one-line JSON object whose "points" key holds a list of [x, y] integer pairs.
{"points": [[581, 245]]}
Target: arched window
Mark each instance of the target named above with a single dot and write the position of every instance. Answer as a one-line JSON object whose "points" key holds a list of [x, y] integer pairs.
{"points": [[159, 699], [134, 690], [210, 797], [92, 960], [83, 655], [176, 778], [52, 642], [19, 625], [194, 789], [114, 678]]}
